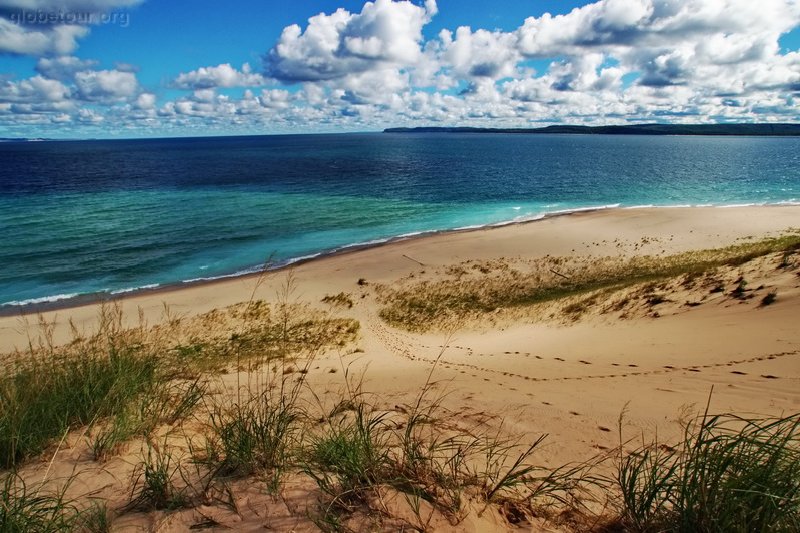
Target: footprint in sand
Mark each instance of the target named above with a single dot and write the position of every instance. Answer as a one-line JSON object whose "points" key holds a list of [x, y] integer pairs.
{"points": [[558, 359], [584, 362], [769, 376], [738, 372]]}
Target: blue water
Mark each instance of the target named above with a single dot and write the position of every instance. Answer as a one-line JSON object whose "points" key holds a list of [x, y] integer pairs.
{"points": [[89, 217]]}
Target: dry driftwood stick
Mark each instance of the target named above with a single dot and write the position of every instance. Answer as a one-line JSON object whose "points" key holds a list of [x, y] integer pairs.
{"points": [[420, 262]]}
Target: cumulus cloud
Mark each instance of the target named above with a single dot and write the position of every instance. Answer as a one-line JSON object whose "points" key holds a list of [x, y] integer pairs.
{"points": [[223, 75], [23, 40], [106, 85], [146, 101], [384, 34], [39, 27], [479, 54], [33, 90], [696, 42], [62, 67]]}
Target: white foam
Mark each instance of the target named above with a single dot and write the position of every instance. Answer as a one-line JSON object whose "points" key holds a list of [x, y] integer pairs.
{"points": [[411, 234], [583, 209], [302, 258], [43, 300], [133, 289], [753, 204]]}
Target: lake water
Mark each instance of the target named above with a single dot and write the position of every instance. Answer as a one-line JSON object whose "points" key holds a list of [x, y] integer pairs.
{"points": [[107, 217]]}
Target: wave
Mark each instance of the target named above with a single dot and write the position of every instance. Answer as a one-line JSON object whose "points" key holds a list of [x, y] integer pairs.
{"points": [[571, 210], [42, 300], [751, 204], [134, 289]]}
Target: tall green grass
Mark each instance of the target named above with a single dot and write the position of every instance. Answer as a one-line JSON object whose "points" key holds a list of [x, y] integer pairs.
{"points": [[729, 474], [23, 509], [43, 398], [256, 435]]}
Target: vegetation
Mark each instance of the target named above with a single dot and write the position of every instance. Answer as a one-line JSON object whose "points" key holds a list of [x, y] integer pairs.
{"points": [[342, 299], [728, 474], [23, 509], [473, 289]]}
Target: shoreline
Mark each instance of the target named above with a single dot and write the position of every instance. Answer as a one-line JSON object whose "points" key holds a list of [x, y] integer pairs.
{"points": [[609, 232], [56, 303]]}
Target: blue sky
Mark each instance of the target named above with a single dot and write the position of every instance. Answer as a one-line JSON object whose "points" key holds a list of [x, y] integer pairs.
{"points": [[134, 68]]}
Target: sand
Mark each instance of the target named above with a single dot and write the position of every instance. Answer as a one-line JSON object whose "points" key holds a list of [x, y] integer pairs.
{"points": [[570, 380]]}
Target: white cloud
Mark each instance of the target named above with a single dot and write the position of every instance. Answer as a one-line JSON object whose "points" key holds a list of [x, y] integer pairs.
{"points": [[106, 85], [22, 40], [62, 68], [33, 90], [146, 101], [385, 34], [223, 75], [39, 27], [479, 54]]}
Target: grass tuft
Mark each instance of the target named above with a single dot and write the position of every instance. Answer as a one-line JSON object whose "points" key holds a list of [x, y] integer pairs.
{"points": [[155, 484], [730, 474], [255, 436], [23, 509], [42, 398]]}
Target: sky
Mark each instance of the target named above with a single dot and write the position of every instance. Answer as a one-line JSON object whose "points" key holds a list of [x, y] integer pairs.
{"points": [[154, 68]]}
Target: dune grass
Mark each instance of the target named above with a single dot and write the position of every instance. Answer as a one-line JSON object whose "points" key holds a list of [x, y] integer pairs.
{"points": [[24, 509], [729, 474], [359, 453], [47, 393], [474, 289]]}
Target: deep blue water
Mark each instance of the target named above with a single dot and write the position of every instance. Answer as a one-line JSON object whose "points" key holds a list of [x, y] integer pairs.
{"points": [[85, 217]]}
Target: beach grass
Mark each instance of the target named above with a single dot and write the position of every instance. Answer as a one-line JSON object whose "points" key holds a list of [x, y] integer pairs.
{"points": [[49, 392], [123, 382], [361, 454], [473, 289], [25, 508], [729, 474]]}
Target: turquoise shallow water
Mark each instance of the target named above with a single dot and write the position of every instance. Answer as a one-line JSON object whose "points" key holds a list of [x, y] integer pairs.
{"points": [[108, 217]]}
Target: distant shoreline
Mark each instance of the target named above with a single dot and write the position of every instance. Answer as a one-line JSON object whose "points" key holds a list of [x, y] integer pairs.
{"points": [[749, 130]]}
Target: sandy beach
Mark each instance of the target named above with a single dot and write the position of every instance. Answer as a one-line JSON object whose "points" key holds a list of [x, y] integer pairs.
{"points": [[569, 378]]}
